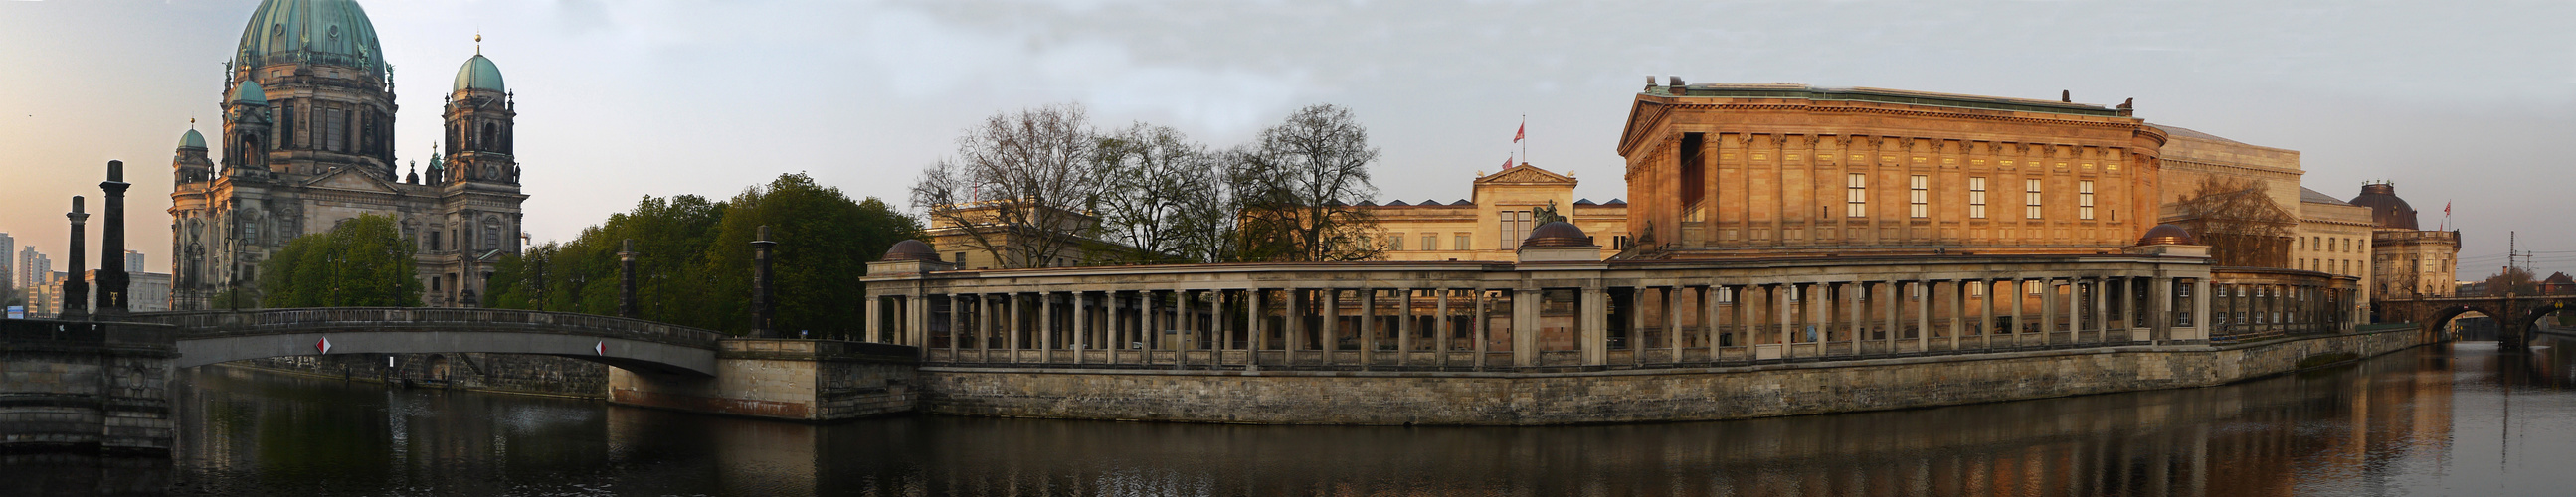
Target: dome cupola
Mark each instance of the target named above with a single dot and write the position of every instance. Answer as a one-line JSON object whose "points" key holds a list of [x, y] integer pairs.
{"points": [[479, 74], [2168, 234], [248, 92], [2386, 210], [192, 140], [910, 250], [1557, 234], [315, 32]]}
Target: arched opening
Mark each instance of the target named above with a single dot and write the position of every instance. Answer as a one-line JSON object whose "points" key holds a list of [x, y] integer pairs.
{"points": [[490, 138]]}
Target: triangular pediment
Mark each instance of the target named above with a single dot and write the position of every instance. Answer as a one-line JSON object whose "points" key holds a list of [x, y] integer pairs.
{"points": [[350, 179], [1526, 173]]}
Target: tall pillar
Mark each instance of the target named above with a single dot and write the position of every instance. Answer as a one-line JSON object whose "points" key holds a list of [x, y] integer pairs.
{"points": [[75, 288], [1081, 325], [2048, 302], [762, 309], [1293, 317], [2162, 319], [1673, 322], [1046, 327], [1368, 328], [1404, 327], [1331, 335], [626, 281], [956, 326], [2199, 309], [1708, 317], [1443, 329], [868, 331], [2102, 310], [1779, 300], [1594, 305], [1525, 305], [1986, 316], [113, 291], [1255, 337]]}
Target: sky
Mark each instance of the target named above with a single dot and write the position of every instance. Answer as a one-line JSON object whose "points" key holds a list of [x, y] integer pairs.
{"points": [[2464, 103]]}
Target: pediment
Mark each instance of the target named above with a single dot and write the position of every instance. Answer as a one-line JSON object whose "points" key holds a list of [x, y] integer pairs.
{"points": [[350, 179], [1526, 173]]}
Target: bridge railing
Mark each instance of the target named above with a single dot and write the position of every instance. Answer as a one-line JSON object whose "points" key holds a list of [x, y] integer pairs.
{"points": [[253, 321]]}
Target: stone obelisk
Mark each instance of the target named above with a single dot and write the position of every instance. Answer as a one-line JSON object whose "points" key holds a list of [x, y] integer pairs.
{"points": [[626, 280], [76, 287], [113, 289]]}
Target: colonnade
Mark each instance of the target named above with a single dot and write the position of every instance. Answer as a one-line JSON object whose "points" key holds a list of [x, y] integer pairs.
{"points": [[1483, 319], [2257, 310]]}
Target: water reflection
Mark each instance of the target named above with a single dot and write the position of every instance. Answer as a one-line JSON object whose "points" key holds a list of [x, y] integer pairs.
{"points": [[2435, 420]]}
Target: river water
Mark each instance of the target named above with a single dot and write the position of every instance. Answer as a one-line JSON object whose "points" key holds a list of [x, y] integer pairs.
{"points": [[2457, 419]]}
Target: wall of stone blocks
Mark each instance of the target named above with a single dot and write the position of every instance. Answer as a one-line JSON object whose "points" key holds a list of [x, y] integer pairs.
{"points": [[811, 380], [1614, 396], [82, 385], [508, 373]]}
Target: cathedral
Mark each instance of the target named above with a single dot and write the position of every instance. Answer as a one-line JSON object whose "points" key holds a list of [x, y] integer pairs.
{"points": [[307, 142]]}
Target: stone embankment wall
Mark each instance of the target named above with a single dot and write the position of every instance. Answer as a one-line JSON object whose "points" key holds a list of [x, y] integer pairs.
{"points": [[507, 373], [808, 380], [1453, 398], [83, 385]]}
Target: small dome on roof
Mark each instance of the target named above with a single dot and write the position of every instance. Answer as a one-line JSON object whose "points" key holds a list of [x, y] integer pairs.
{"points": [[2386, 210], [1557, 234], [2167, 234], [248, 92], [911, 250], [192, 140], [478, 74]]}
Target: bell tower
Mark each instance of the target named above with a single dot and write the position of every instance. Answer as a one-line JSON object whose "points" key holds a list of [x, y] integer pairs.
{"points": [[246, 130], [481, 117]]}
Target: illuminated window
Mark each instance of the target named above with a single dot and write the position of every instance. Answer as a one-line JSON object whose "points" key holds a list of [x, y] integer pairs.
{"points": [[1917, 195], [2084, 199], [1977, 197], [1856, 196]]}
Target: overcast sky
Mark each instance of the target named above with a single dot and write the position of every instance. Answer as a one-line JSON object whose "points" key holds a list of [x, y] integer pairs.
{"points": [[2467, 103]]}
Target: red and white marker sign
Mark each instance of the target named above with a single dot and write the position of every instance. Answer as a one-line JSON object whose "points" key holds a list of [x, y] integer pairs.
{"points": [[602, 348], [324, 345]]}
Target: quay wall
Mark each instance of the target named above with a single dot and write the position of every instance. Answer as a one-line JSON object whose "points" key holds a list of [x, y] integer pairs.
{"points": [[503, 373], [82, 385], [804, 380], [1694, 394]]}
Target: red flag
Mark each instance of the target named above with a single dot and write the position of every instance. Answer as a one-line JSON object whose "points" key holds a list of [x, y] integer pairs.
{"points": [[1523, 133], [1507, 163], [2446, 208]]}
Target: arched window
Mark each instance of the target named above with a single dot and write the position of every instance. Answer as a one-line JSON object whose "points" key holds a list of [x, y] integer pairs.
{"points": [[490, 139], [491, 234]]}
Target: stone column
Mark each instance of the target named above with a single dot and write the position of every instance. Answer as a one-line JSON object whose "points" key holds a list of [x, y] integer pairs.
{"points": [[1404, 327], [75, 288], [1254, 337], [1923, 315], [2102, 310], [1594, 302], [1016, 331], [626, 282], [1220, 330], [1778, 298], [1480, 329], [2048, 303], [1081, 325], [1895, 312], [1046, 327], [1986, 316], [2199, 309], [956, 325], [761, 308], [1331, 336], [1525, 304], [2163, 299], [1708, 318], [1441, 326], [113, 291], [1673, 322], [869, 331], [1636, 324], [1368, 328], [1294, 318]]}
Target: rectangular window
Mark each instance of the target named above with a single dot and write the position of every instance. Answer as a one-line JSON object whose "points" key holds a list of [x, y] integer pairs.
{"points": [[1977, 290], [1856, 196], [1516, 227], [2030, 198], [2084, 199], [1977, 197], [1430, 241], [1918, 196], [1395, 242], [1465, 242]]}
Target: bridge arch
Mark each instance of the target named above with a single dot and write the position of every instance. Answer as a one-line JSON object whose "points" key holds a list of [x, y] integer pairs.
{"points": [[209, 337]]}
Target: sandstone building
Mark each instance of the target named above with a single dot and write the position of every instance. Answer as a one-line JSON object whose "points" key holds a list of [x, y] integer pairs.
{"points": [[2408, 261], [307, 142], [1491, 225]]}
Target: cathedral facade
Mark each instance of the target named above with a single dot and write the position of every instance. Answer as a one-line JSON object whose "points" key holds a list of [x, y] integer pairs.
{"points": [[307, 142]]}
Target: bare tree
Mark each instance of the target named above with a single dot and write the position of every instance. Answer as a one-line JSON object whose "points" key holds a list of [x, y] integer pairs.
{"points": [[1297, 182], [1167, 199], [1019, 186], [2239, 223]]}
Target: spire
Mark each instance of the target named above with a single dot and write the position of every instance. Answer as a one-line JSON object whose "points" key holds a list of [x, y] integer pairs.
{"points": [[478, 42]]}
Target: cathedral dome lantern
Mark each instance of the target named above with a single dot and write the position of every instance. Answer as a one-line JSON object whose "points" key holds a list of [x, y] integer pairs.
{"points": [[249, 93], [2386, 210], [192, 140], [481, 121], [311, 32]]}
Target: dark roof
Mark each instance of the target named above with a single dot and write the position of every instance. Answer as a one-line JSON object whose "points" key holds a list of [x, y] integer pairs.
{"points": [[2559, 279], [1462, 202], [1398, 203], [911, 250], [2167, 234], [1584, 202], [1368, 203], [1615, 202], [1909, 97], [1557, 234], [2386, 210], [2182, 131], [2313, 196]]}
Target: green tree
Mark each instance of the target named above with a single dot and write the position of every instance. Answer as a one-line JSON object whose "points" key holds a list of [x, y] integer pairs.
{"points": [[825, 241], [361, 262], [671, 235]]}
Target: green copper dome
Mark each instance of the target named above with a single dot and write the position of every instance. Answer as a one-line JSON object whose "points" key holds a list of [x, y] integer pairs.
{"points": [[192, 140], [249, 93], [479, 74], [321, 32]]}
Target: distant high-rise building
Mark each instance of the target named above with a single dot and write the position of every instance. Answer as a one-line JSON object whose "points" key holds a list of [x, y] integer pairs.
{"points": [[26, 267], [133, 261], [8, 266]]}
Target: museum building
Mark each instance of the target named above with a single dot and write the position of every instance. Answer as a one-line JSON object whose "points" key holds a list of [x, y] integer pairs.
{"points": [[1763, 223]]}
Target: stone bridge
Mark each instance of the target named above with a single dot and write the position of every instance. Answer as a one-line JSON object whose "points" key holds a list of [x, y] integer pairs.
{"points": [[209, 337], [2514, 314], [102, 383]]}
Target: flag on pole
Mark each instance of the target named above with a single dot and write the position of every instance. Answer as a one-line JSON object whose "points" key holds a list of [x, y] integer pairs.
{"points": [[1523, 133], [1507, 163], [2446, 208]]}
